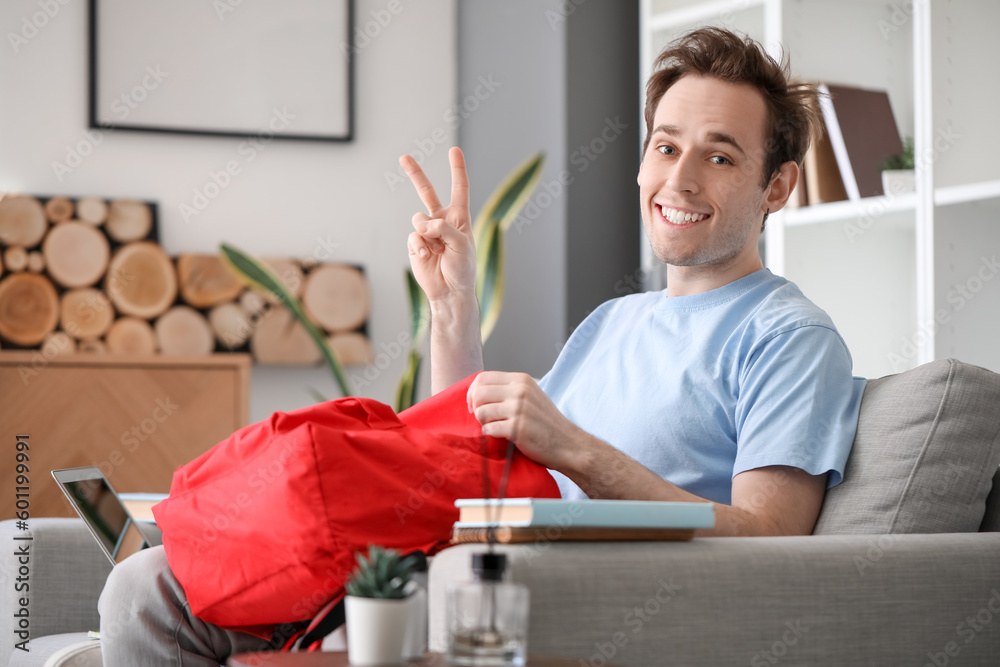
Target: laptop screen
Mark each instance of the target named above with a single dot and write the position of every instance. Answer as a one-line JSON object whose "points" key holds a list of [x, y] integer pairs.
{"points": [[99, 506]]}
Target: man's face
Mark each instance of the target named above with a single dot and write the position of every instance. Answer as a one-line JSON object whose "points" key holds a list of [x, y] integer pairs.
{"points": [[699, 182]]}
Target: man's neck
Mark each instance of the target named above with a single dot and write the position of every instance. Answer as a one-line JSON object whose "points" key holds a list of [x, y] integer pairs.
{"points": [[690, 280]]}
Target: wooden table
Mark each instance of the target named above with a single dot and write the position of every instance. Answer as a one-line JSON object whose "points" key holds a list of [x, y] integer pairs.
{"points": [[339, 659]]}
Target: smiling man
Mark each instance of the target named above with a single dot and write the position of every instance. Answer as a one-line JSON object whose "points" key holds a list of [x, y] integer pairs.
{"points": [[730, 385]]}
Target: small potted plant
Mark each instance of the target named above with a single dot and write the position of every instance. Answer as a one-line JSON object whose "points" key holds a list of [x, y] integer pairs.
{"points": [[898, 175], [378, 607]]}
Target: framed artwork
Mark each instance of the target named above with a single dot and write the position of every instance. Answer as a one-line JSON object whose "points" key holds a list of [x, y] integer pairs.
{"points": [[275, 68]]}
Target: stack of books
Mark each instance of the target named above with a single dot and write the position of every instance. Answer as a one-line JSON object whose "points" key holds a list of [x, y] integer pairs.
{"points": [[546, 519]]}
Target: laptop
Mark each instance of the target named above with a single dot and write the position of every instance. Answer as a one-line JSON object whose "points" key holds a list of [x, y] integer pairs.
{"points": [[109, 521]]}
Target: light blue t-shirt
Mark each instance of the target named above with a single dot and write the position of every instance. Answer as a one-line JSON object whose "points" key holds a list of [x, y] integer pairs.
{"points": [[701, 388]]}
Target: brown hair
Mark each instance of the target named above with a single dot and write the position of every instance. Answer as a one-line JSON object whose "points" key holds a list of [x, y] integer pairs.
{"points": [[723, 55]]}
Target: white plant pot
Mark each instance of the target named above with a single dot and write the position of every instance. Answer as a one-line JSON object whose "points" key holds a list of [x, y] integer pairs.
{"points": [[376, 630], [415, 643], [898, 181]]}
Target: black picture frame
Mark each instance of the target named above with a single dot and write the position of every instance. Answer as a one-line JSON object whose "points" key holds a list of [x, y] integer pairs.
{"points": [[317, 36]]}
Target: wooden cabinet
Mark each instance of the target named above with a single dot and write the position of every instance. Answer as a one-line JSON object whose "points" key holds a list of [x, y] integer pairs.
{"points": [[137, 418]]}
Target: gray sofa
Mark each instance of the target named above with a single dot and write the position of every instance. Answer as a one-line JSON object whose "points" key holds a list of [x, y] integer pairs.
{"points": [[903, 568]]}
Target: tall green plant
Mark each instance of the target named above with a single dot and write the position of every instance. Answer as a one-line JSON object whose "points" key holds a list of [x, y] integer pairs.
{"points": [[494, 219], [259, 276]]}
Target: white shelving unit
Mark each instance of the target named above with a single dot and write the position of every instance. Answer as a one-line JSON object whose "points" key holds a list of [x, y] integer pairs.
{"points": [[907, 278]]}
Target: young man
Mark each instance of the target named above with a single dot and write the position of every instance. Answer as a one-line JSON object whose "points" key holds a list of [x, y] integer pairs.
{"points": [[731, 386]]}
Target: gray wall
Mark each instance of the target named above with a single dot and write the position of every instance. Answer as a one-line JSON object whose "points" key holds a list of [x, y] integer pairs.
{"points": [[603, 228], [566, 72], [515, 43]]}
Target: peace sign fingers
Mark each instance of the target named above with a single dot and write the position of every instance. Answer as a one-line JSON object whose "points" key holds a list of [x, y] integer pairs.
{"points": [[423, 185], [442, 249], [459, 180]]}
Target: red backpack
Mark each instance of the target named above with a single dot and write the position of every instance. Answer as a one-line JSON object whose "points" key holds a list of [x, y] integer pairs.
{"points": [[262, 528]]}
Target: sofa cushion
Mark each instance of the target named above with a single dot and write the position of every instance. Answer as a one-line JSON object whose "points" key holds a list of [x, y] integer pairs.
{"points": [[926, 450], [68, 571]]}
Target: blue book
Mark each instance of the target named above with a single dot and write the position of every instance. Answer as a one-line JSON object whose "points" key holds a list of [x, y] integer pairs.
{"points": [[543, 512]]}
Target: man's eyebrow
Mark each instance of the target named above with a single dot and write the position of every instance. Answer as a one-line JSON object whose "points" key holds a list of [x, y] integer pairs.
{"points": [[671, 130], [723, 138], [713, 137]]}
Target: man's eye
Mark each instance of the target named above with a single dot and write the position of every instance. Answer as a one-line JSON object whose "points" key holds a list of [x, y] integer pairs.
{"points": [[718, 159], [667, 150]]}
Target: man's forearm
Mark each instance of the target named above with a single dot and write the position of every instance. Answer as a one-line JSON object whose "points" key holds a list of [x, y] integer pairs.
{"points": [[604, 472], [456, 343]]}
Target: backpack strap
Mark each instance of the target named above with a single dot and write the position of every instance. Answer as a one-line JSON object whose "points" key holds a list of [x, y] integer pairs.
{"points": [[329, 618]]}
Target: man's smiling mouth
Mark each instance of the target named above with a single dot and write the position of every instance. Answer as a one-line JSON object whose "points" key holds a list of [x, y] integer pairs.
{"points": [[680, 217]]}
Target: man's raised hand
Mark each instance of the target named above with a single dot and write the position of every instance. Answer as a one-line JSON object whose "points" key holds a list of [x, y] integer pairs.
{"points": [[442, 249]]}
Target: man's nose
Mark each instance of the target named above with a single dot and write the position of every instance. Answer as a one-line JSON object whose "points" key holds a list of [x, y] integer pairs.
{"points": [[685, 175]]}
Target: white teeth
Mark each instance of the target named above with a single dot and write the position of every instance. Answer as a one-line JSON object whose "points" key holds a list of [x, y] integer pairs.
{"points": [[681, 217]]}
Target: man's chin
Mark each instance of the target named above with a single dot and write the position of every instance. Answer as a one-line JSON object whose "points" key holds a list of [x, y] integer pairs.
{"points": [[675, 258]]}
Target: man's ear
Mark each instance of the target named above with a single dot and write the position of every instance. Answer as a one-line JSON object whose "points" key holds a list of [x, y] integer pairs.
{"points": [[781, 186], [638, 177]]}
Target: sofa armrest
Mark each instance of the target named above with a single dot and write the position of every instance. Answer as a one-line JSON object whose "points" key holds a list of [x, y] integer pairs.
{"points": [[66, 573], [833, 599]]}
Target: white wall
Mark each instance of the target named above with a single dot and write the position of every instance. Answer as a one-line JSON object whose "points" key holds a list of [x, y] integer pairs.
{"points": [[294, 199]]}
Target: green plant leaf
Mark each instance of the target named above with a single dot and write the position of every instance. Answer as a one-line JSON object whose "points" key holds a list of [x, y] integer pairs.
{"points": [[496, 216], [490, 272], [904, 160], [406, 391], [908, 156], [419, 310], [506, 201], [257, 275], [383, 574]]}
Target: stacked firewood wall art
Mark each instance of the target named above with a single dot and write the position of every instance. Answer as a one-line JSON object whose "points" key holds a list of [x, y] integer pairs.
{"points": [[87, 275]]}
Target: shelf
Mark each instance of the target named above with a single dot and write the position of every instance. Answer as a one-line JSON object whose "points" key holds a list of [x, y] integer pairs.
{"points": [[876, 207], [972, 192], [873, 207]]}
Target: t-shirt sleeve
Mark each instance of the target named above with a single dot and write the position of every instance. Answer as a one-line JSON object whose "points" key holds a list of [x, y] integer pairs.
{"points": [[798, 404]]}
